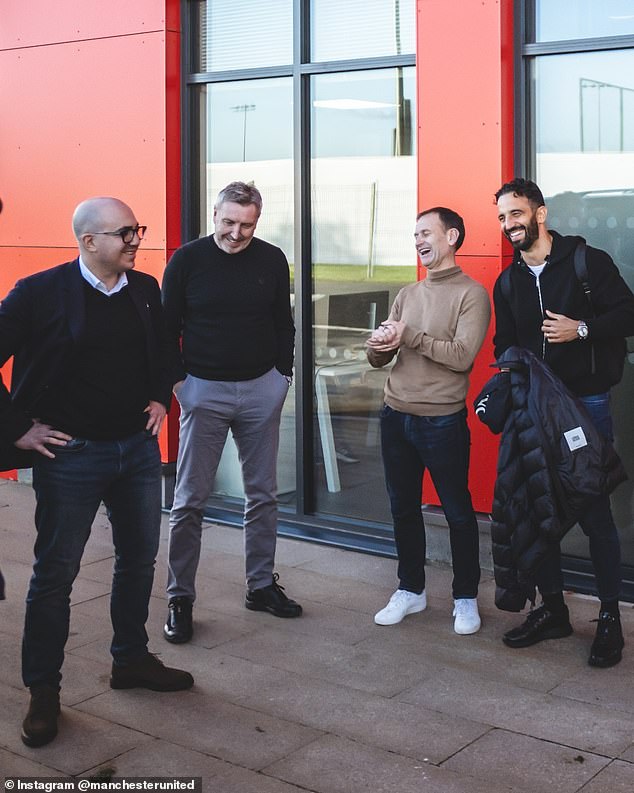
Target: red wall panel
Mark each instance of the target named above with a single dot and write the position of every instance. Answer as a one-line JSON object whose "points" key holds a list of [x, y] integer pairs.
{"points": [[95, 110], [33, 23], [465, 152]]}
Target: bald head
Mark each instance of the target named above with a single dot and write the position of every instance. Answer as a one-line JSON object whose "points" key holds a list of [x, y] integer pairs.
{"points": [[97, 214]]}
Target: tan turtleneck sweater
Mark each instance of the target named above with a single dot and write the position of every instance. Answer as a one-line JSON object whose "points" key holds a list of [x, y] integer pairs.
{"points": [[446, 317]]}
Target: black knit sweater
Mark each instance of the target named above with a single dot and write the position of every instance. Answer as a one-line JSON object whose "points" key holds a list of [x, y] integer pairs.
{"points": [[232, 311]]}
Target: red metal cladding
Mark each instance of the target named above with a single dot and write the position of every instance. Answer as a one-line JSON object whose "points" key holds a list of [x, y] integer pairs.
{"points": [[465, 152]]}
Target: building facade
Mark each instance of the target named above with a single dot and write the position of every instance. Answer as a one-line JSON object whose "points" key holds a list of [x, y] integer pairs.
{"points": [[349, 117]]}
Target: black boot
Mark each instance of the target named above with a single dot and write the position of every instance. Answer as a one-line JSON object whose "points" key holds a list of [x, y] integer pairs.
{"points": [[608, 641], [40, 724], [540, 624], [179, 627]]}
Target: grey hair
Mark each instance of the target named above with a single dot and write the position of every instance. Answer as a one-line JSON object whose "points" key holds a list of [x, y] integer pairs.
{"points": [[243, 193]]}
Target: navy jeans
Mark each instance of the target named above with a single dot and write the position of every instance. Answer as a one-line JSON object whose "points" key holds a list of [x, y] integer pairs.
{"points": [[440, 444], [598, 525], [126, 476]]}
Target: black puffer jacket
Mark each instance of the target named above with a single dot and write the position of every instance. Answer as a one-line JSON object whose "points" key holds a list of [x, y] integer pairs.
{"points": [[552, 464]]}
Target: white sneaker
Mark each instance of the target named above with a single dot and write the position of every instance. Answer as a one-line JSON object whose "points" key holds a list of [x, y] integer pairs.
{"points": [[400, 605], [467, 619]]}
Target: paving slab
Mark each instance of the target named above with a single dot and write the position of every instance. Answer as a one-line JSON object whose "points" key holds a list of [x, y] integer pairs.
{"points": [[242, 780], [591, 728], [525, 763], [385, 723], [204, 723], [617, 777], [170, 758], [328, 659], [333, 765], [611, 690], [83, 741], [628, 754], [14, 765]]}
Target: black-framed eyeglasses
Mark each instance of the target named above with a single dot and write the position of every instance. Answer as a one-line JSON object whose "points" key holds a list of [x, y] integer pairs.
{"points": [[127, 233]]}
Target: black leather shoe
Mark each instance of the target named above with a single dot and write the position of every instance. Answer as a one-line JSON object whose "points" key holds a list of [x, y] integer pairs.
{"points": [[608, 641], [540, 624], [179, 627], [149, 672], [40, 725], [272, 599]]}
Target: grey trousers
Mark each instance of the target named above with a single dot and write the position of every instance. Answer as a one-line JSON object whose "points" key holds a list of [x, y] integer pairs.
{"points": [[251, 409]]}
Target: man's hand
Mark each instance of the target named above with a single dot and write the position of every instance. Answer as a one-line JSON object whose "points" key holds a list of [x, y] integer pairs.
{"points": [[39, 435], [157, 413], [387, 336], [559, 329]]}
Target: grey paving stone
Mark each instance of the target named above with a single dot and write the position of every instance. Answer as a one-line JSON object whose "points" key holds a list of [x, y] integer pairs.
{"points": [[375, 721], [618, 777], [241, 780], [323, 658], [526, 763], [590, 728], [339, 563], [483, 653], [83, 740], [333, 765], [608, 687], [14, 765], [628, 754], [204, 723], [162, 758]]}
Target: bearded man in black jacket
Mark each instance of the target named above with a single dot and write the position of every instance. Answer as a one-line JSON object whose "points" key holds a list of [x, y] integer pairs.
{"points": [[541, 304]]}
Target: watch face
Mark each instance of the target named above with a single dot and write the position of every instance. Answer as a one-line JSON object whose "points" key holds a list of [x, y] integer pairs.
{"points": [[582, 331]]}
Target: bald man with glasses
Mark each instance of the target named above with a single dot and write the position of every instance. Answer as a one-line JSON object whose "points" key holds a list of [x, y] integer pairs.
{"points": [[91, 383]]}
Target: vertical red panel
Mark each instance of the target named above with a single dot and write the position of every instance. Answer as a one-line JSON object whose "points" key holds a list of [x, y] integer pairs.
{"points": [[465, 152]]}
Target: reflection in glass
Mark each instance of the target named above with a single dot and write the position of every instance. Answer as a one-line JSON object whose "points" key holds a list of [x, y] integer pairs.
{"points": [[585, 167], [559, 20], [361, 28], [364, 204], [243, 34], [247, 135]]}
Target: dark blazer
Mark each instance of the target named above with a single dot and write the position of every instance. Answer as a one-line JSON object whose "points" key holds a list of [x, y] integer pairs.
{"points": [[41, 323]]}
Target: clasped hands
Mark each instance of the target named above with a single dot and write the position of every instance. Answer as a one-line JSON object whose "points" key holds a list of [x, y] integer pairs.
{"points": [[387, 336]]}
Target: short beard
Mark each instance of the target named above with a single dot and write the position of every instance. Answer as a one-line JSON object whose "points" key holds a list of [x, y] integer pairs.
{"points": [[531, 235]]}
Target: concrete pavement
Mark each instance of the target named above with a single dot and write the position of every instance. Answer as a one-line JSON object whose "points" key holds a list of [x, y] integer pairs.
{"points": [[329, 703]]}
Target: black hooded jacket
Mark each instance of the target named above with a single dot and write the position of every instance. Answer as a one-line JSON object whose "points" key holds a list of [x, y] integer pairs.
{"points": [[610, 320], [552, 464]]}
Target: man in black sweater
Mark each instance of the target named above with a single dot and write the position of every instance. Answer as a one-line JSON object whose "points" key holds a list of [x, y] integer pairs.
{"points": [[91, 382], [579, 330], [226, 298]]}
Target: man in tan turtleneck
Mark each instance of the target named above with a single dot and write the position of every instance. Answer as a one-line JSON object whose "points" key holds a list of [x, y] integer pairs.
{"points": [[435, 329]]}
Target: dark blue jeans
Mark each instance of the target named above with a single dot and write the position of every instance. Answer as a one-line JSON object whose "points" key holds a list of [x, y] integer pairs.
{"points": [[126, 476], [440, 444], [598, 525]]}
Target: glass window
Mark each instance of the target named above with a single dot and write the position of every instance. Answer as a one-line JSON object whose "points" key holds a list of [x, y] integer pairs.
{"points": [[559, 20], [241, 34], [247, 135], [584, 147], [362, 28], [364, 206]]}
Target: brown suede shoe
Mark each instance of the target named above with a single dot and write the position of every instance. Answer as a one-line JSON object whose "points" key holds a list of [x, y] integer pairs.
{"points": [[40, 724], [149, 672]]}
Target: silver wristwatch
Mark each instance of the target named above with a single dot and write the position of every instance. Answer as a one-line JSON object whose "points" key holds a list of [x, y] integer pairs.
{"points": [[582, 330]]}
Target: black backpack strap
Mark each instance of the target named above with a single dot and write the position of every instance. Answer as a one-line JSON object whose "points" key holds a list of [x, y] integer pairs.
{"points": [[581, 271], [505, 283]]}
